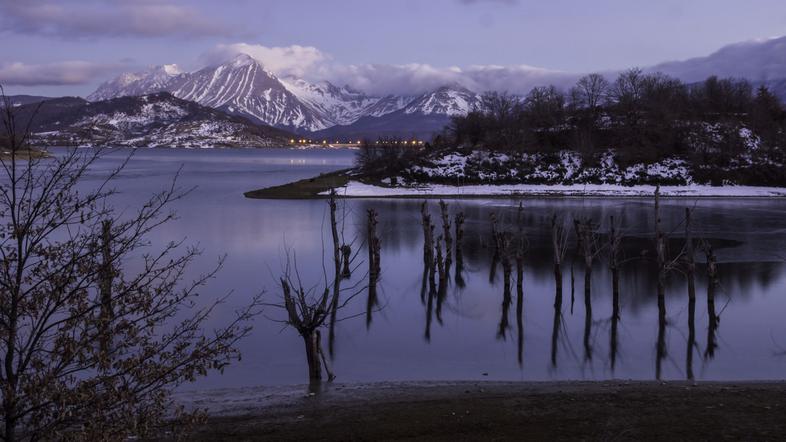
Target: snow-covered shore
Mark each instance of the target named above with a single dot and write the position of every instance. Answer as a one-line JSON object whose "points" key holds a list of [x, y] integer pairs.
{"points": [[356, 189]]}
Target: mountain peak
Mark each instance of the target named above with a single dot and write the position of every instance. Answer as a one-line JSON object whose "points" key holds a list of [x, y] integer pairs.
{"points": [[242, 60]]}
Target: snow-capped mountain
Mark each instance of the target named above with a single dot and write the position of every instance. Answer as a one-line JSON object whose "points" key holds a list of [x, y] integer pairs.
{"points": [[342, 105], [422, 117], [448, 100], [145, 121], [388, 104], [242, 86], [154, 79]]}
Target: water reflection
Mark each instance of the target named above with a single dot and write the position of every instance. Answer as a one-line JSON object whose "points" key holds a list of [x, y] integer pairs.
{"points": [[466, 318]]}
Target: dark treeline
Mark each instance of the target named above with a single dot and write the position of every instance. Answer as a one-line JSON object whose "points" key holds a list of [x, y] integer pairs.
{"points": [[644, 117]]}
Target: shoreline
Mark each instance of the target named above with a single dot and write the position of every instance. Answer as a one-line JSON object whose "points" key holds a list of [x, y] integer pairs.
{"points": [[320, 186], [553, 410]]}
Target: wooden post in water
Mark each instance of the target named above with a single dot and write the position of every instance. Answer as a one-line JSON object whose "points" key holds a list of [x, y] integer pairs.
{"points": [[507, 269]]}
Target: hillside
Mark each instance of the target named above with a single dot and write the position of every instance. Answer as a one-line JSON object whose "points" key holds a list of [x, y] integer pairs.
{"points": [[157, 120]]}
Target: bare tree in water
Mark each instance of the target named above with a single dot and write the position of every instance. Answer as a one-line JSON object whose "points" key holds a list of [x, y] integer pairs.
{"points": [[90, 349], [309, 310]]}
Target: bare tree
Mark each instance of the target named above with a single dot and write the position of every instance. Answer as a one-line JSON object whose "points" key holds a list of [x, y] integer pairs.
{"points": [[89, 349], [589, 92]]}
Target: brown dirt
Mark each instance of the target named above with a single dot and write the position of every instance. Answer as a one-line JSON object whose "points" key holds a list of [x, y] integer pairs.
{"points": [[614, 410], [304, 189]]}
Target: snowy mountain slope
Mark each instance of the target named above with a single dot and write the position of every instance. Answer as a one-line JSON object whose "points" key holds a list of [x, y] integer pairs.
{"points": [[447, 100], [422, 117], [144, 121], [341, 105], [243, 87], [154, 79]]}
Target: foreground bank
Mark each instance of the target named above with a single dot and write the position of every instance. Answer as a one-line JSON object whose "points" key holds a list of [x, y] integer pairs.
{"points": [[618, 410]]}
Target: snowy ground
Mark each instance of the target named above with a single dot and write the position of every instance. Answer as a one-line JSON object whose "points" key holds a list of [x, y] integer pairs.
{"points": [[358, 189]]}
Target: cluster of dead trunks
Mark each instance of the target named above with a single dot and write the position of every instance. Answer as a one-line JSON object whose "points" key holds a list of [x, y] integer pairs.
{"points": [[309, 313], [589, 244], [443, 252]]}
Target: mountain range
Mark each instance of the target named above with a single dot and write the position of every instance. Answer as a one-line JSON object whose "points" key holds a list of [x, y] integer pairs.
{"points": [[242, 86]]}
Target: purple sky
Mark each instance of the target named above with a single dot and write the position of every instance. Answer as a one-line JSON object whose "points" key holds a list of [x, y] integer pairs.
{"points": [[58, 47]]}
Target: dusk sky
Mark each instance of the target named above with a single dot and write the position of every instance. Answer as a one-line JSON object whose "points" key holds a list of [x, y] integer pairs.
{"points": [[69, 47]]}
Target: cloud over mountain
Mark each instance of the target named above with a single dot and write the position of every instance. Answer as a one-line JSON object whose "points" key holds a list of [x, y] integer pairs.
{"points": [[381, 79]]}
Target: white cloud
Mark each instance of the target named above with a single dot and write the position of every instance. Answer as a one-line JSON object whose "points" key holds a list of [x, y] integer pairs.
{"points": [[52, 74], [154, 18], [293, 60], [310, 63]]}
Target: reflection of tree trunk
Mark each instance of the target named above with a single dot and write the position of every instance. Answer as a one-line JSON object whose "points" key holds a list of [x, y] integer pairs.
{"points": [[506, 296], [557, 314], [661, 345], [712, 283], [615, 314], [587, 313], [691, 338], [572, 288], [520, 306]]}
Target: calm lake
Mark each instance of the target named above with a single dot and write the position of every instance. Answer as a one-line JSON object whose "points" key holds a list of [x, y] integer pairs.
{"points": [[558, 341]]}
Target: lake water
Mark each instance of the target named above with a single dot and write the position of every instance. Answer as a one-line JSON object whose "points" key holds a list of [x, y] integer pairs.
{"points": [[561, 343]]}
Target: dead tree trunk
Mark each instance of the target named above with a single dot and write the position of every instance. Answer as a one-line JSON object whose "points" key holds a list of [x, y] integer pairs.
{"points": [[495, 244], [558, 245], [346, 253], [446, 233], [585, 233], [442, 286], [660, 254], [337, 274], [459, 225], [428, 234], [520, 305], [690, 263], [507, 269], [307, 317], [615, 241], [373, 264], [712, 284]]}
